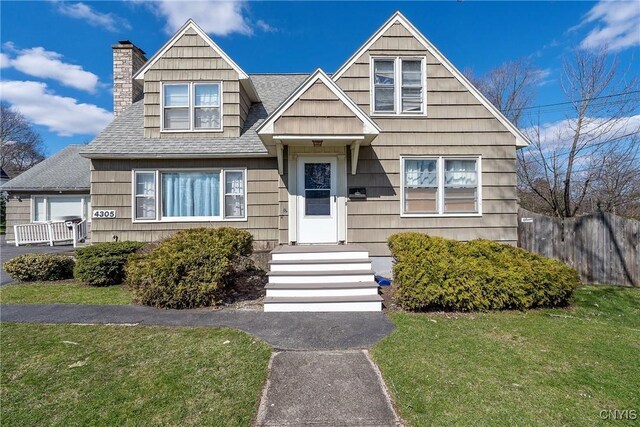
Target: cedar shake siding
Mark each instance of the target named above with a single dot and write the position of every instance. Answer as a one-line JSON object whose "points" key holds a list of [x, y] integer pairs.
{"points": [[192, 59], [111, 189], [18, 212], [318, 111], [456, 124]]}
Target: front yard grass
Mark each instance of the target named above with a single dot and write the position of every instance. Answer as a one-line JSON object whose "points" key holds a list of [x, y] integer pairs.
{"points": [[541, 367], [65, 292], [117, 375]]}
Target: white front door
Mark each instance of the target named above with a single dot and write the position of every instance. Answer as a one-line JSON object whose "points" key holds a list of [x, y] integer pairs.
{"points": [[317, 207]]}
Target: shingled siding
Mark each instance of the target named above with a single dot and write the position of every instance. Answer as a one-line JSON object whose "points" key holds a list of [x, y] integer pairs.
{"points": [[318, 111], [18, 212], [192, 59], [456, 124], [111, 189]]}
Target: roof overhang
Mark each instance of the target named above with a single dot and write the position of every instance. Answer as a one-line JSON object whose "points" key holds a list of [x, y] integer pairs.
{"points": [[397, 17], [245, 81]]}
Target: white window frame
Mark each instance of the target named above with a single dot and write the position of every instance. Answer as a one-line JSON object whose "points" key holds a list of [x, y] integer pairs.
{"points": [[134, 194], [158, 196], [192, 113], [397, 84], [83, 203], [441, 187], [224, 194]]}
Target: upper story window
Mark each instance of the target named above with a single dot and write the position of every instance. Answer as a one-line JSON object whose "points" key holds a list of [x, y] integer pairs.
{"points": [[398, 85], [192, 106]]}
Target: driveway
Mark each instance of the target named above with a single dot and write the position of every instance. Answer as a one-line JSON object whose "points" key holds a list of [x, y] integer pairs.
{"points": [[9, 251]]}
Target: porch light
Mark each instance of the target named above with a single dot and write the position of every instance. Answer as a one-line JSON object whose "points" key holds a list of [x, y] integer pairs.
{"points": [[317, 142]]}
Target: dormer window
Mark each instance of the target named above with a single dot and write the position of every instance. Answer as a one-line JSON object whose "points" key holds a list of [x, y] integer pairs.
{"points": [[398, 86], [192, 106]]}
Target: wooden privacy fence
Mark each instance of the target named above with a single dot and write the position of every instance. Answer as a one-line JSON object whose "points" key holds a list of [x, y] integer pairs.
{"points": [[603, 248]]}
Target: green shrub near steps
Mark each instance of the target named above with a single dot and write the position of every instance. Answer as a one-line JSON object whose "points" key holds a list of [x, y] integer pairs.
{"points": [[193, 268], [102, 264], [432, 273], [40, 267]]}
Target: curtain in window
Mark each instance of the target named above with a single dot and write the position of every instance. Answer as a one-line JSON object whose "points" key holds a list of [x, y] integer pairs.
{"points": [[191, 194], [460, 173], [421, 173], [421, 186], [234, 195]]}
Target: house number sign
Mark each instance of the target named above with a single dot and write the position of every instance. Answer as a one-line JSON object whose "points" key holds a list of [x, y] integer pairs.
{"points": [[102, 213]]}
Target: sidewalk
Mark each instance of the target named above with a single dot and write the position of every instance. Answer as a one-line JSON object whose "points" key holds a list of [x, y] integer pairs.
{"points": [[325, 388], [284, 331]]}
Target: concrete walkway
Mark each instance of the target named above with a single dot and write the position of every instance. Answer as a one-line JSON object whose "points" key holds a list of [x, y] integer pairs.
{"points": [[284, 331], [319, 388]]}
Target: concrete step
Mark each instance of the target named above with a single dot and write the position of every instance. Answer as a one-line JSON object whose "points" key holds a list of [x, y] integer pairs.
{"points": [[321, 276], [337, 285], [323, 303], [318, 252], [345, 264]]}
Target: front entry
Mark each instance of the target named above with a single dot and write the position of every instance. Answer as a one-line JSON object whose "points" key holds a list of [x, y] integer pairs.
{"points": [[317, 200]]}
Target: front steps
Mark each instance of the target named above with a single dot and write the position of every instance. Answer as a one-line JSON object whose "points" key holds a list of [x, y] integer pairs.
{"points": [[321, 278]]}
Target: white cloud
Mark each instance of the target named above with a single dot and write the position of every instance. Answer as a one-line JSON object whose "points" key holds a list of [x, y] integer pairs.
{"points": [[618, 25], [557, 136], [38, 62], [219, 18], [215, 17], [5, 62], [263, 26], [108, 21], [60, 114]]}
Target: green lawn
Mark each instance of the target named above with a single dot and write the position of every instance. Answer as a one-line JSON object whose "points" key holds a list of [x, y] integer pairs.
{"points": [[74, 375], [542, 367], [66, 292]]}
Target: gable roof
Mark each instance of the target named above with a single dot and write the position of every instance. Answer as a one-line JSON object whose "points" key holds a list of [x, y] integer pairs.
{"points": [[65, 170], [370, 127], [397, 17], [124, 136], [191, 25]]}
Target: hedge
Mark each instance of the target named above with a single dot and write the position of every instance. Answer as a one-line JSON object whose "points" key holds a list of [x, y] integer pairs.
{"points": [[193, 268], [432, 273], [40, 267], [102, 264]]}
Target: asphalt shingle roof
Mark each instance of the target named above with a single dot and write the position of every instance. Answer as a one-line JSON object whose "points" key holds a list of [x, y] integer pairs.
{"points": [[125, 135], [65, 170]]}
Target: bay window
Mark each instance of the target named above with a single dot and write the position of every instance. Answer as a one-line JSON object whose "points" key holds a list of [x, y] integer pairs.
{"points": [[192, 106], [447, 186], [201, 195], [398, 85]]}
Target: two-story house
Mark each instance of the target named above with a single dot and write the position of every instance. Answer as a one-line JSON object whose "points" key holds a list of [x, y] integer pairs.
{"points": [[323, 168]]}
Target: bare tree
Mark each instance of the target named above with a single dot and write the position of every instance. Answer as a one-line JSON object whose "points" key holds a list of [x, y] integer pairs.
{"points": [[20, 146], [510, 87], [564, 164]]}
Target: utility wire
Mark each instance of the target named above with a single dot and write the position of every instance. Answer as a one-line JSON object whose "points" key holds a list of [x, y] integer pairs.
{"points": [[574, 101]]}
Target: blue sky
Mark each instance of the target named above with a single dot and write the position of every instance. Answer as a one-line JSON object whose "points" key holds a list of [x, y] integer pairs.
{"points": [[56, 56]]}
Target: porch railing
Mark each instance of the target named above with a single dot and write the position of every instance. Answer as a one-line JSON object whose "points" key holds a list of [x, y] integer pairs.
{"points": [[51, 232]]}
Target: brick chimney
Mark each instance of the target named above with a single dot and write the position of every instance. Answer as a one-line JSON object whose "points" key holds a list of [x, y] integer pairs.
{"points": [[127, 60]]}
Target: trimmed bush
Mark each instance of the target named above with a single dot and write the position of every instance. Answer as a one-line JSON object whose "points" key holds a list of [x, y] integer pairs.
{"points": [[40, 267], [103, 264], [193, 268], [432, 273]]}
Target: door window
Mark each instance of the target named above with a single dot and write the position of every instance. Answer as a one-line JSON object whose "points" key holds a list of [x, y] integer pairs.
{"points": [[317, 189]]}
